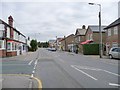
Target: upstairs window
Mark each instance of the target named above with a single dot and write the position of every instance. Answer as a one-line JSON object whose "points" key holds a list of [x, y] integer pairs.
{"points": [[109, 32], [115, 30], [2, 27]]}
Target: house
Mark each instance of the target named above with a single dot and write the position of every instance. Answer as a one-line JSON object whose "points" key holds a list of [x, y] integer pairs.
{"points": [[12, 42], [68, 43], [89, 35], [58, 43], [93, 34], [113, 35], [80, 36], [52, 43]]}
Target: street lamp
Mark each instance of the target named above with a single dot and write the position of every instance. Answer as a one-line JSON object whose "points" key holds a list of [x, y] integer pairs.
{"points": [[100, 45]]}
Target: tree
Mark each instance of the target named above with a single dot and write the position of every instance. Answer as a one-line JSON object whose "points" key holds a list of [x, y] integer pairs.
{"points": [[43, 44], [33, 45]]}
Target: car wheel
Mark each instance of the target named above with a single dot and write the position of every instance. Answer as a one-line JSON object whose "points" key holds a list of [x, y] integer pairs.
{"points": [[110, 56]]}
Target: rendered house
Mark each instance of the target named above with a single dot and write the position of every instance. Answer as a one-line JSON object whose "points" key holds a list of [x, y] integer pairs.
{"points": [[113, 35], [12, 42]]}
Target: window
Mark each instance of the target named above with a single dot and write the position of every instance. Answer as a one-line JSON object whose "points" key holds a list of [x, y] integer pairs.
{"points": [[8, 46], [8, 32], [115, 50], [2, 27], [116, 30], [114, 44], [91, 37], [109, 32], [79, 39], [2, 44], [13, 48]]}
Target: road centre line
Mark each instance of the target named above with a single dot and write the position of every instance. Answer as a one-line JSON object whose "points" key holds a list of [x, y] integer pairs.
{"points": [[36, 62], [114, 84], [30, 62], [83, 72]]}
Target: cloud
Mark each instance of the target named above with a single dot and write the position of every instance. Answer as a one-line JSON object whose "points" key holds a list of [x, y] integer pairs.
{"points": [[52, 19]]}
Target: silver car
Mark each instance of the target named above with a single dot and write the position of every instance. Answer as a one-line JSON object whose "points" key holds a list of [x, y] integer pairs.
{"points": [[114, 53]]}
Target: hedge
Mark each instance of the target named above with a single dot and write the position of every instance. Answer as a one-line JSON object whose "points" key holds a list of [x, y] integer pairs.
{"points": [[91, 49]]}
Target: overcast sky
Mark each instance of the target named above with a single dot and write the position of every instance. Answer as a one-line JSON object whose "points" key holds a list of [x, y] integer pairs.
{"points": [[46, 20]]}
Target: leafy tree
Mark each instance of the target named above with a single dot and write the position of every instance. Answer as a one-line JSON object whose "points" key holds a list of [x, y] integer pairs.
{"points": [[33, 45], [43, 44]]}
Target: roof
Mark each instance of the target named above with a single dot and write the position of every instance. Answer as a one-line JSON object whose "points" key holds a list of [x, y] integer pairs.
{"points": [[95, 28], [2, 22], [116, 22], [51, 41], [81, 31]]}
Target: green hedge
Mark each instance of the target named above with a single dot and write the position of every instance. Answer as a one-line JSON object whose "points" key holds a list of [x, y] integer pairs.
{"points": [[91, 49]]}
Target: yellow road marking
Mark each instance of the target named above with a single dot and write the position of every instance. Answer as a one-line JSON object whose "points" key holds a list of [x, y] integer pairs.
{"points": [[38, 80]]}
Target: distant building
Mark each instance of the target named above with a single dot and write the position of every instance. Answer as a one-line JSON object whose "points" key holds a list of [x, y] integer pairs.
{"points": [[12, 41], [113, 35], [52, 43], [68, 43]]}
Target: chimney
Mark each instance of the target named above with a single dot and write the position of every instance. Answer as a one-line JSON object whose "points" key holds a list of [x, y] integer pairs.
{"points": [[83, 27], [10, 21]]}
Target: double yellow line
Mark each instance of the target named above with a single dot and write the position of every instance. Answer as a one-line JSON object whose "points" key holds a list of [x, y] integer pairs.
{"points": [[38, 80]]}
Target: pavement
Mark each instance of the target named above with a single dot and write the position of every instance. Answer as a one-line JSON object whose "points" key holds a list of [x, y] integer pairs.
{"points": [[17, 72]]}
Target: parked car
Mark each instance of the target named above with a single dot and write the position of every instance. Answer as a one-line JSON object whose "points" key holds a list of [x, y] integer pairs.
{"points": [[114, 53], [51, 49]]}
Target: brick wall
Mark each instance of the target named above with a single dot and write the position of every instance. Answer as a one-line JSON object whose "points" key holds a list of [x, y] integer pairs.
{"points": [[96, 37], [13, 53], [2, 53]]}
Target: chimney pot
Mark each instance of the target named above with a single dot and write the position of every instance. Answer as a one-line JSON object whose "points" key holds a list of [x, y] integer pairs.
{"points": [[83, 27], [10, 21]]}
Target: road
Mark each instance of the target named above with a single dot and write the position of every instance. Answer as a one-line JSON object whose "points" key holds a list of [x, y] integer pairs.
{"points": [[66, 70]]}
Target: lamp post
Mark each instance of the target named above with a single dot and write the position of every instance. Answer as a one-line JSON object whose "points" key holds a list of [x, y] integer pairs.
{"points": [[100, 40]]}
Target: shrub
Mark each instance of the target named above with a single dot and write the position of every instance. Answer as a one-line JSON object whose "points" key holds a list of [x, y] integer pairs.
{"points": [[91, 49]]}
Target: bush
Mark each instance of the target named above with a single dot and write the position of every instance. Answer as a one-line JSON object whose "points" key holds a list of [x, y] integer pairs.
{"points": [[91, 49]]}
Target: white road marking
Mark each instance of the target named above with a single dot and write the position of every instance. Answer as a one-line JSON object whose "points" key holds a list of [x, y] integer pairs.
{"points": [[83, 72], [111, 73], [30, 62], [87, 68], [95, 69], [35, 66], [114, 84], [36, 62], [33, 72]]}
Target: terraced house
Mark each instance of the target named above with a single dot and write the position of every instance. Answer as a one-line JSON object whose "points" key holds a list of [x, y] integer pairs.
{"points": [[113, 35], [12, 41]]}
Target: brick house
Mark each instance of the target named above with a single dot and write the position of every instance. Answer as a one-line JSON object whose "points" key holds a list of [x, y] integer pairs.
{"points": [[93, 33], [80, 37], [67, 43], [113, 35], [12, 42]]}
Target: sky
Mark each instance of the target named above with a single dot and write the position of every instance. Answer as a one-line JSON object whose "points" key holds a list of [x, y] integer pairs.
{"points": [[46, 20]]}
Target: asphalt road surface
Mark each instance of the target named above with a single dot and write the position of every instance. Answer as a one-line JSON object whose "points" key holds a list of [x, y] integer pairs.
{"points": [[66, 70]]}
